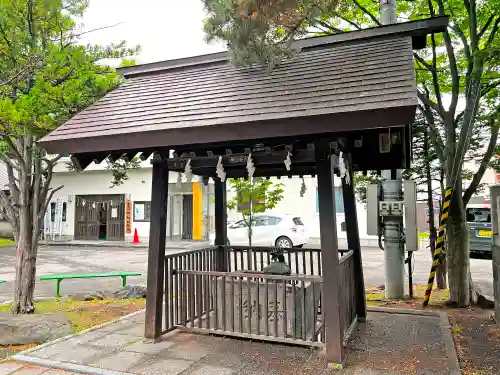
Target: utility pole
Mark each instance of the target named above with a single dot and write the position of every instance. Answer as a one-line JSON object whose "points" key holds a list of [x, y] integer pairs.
{"points": [[392, 191], [387, 12]]}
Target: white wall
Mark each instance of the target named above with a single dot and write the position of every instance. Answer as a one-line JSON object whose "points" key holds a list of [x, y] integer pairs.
{"points": [[138, 186], [96, 180]]}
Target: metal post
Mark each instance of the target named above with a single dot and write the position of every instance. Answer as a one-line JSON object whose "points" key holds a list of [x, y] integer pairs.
{"points": [[392, 191], [495, 247], [393, 247]]}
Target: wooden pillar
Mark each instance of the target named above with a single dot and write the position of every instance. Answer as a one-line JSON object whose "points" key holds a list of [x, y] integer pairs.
{"points": [[351, 221], [221, 224], [329, 256], [156, 254]]}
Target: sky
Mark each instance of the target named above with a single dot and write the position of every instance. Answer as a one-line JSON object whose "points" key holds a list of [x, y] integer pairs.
{"points": [[165, 29]]}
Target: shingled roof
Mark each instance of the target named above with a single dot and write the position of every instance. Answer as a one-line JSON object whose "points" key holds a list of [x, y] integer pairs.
{"points": [[347, 82]]}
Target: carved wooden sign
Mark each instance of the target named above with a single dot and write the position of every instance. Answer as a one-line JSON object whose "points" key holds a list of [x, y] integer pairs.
{"points": [[128, 216]]}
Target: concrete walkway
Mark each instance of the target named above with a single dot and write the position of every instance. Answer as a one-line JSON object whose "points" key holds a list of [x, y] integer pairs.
{"points": [[388, 343]]}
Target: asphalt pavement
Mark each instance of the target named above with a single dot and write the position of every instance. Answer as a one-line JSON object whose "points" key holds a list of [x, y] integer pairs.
{"points": [[76, 259]]}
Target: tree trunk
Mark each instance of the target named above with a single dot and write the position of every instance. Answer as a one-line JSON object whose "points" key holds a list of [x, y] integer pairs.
{"points": [[458, 251], [25, 264], [249, 250]]}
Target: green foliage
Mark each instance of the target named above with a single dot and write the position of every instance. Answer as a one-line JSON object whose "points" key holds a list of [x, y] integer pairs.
{"points": [[254, 196], [46, 77], [60, 77], [261, 31], [361, 182], [119, 169]]}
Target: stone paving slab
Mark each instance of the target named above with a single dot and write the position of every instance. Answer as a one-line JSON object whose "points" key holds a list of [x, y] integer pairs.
{"points": [[17, 368], [400, 342]]}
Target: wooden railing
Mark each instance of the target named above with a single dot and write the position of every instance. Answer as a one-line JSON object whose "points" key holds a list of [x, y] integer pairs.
{"points": [[194, 300], [250, 305], [347, 291], [301, 261]]}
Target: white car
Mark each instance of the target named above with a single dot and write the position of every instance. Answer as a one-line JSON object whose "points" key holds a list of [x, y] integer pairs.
{"points": [[269, 230]]}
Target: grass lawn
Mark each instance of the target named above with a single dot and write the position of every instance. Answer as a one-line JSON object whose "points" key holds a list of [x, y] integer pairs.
{"points": [[87, 314], [6, 242]]}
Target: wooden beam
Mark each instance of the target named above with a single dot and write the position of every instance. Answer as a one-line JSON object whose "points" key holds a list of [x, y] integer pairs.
{"points": [[114, 156], [221, 224], [334, 335], [240, 160], [99, 157], [353, 243], [267, 171], [156, 254], [81, 161], [129, 156]]}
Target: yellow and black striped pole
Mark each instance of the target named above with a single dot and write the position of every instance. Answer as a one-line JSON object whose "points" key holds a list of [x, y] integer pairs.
{"points": [[436, 258]]}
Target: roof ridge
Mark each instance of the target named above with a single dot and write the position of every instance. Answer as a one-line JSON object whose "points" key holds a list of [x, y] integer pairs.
{"points": [[416, 28]]}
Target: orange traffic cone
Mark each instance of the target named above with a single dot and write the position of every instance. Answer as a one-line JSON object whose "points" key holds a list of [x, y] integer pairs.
{"points": [[136, 237]]}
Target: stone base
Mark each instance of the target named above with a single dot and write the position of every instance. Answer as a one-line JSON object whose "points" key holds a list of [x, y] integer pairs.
{"points": [[283, 316]]}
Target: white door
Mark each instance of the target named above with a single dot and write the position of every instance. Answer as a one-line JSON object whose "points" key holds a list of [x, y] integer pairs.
{"points": [[263, 231]]}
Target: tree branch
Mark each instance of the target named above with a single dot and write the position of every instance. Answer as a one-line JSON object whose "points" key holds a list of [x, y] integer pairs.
{"points": [[435, 79], [434, 136], [368, 13], [471, 189], [455, 79], [465, 43], [15, 151], [49, 198], [486, 25], [329, 27], [352, 23], [491, 38], [423, 62], [428, 102], [14, 189], [9, 210]]}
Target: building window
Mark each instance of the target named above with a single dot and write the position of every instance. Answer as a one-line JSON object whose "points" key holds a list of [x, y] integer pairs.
{"points": [[142, 211], [53, 211], [339, 200]]}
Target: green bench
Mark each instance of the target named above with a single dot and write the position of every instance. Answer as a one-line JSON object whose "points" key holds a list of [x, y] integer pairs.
{"points": [[60, 278]]}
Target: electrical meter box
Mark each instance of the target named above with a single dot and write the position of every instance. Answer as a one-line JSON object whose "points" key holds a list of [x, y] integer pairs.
{"points": [[410, 215], [377, 210]]}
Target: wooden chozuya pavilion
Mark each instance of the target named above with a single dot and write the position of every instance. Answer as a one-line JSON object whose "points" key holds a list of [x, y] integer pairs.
{"points": [[343, 104]]}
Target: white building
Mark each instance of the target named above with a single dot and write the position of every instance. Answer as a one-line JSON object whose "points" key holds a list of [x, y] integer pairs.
{"points": [[90, 209]]}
